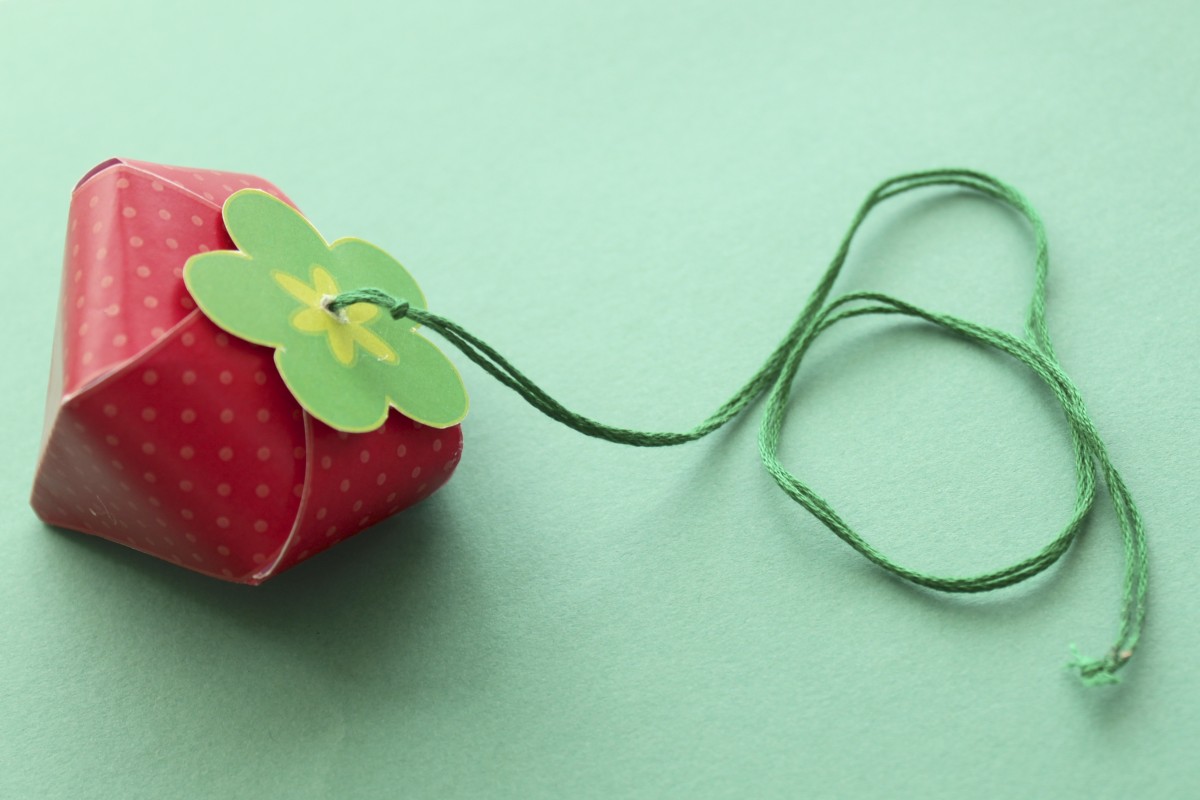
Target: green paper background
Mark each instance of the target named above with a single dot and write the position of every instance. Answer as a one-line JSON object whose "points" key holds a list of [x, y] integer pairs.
{"points": [[632, 200]]}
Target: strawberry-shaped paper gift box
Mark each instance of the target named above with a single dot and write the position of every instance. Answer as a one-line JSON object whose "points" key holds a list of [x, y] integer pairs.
{"points": [[171, 435]]}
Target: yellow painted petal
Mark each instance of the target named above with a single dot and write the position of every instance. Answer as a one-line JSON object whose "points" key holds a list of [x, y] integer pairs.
{"points": [[373, 344], [341, 341], [361, 312], [324, 282], [297, 288], [313, 320]]}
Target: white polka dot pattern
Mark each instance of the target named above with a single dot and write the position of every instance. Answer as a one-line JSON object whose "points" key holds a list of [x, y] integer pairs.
{"points": [[178, 440]]}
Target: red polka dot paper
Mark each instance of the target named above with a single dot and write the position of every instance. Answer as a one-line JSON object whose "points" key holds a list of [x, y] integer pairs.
{"points": [[167, 435]]}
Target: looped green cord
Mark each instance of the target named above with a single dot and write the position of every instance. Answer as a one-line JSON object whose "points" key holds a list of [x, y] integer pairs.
{"points": [[776, 376]]}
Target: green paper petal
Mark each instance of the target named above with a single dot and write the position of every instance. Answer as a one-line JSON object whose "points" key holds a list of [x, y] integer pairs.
{"points": [[423, 384], [239, 296], [362, 265], [272, 232], [345, 398]]}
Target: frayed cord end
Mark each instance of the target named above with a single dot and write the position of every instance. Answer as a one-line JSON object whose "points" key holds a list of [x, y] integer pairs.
{"points": [[1099, 671]]}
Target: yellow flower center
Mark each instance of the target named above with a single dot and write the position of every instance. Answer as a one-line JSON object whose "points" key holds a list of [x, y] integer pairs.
{"points": [[342, 330]]}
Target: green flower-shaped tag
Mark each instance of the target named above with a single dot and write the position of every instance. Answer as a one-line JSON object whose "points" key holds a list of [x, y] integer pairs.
{"points": [[344, 368]]}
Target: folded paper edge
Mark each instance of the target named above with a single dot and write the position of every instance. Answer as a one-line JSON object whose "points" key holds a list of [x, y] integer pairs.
{"points": [[301, 507], [57, 402]]}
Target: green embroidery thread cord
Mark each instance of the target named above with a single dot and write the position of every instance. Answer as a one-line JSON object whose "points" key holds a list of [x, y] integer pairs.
{"points": [[775, 378]]}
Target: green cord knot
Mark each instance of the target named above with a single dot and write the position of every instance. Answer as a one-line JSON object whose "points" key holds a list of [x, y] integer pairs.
{"points": [[398, 309]]}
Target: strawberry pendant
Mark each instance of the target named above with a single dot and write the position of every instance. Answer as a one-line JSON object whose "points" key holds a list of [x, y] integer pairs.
{"points": [[167, 434]]}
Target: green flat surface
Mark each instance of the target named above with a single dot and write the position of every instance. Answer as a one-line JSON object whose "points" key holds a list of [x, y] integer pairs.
{"points": [[631, 200]]}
